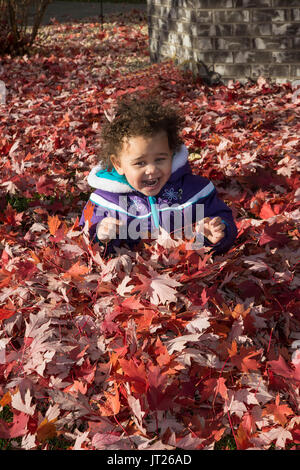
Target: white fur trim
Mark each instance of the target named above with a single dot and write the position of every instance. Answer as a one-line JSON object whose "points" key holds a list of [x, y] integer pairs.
{"points": [[180, 158], [106, 184]]}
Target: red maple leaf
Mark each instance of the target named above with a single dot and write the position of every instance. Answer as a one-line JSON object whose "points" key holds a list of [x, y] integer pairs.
{"points": [[213, 387], [7, 311], [135, 374], [273, 234], [11, 216], [45, 185], [26, 269], [161, 353], [280, 367], [156, 396]]}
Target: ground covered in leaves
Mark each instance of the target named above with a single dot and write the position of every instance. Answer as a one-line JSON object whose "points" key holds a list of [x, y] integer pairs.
{"points": [[162, 348]]}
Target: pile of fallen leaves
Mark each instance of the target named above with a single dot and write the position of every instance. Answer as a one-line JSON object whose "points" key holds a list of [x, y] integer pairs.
{"points": [[163, 347]]}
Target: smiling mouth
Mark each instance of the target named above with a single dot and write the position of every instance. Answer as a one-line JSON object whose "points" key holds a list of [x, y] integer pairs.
{"points": [[151, 183]]}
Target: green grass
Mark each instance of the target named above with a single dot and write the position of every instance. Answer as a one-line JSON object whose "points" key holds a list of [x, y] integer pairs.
{"points": [[6, 414], [58, 443], [226, 443], [20, 203]]}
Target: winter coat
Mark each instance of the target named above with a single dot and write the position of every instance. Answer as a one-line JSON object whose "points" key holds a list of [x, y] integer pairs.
{"points": [[183, 200]]}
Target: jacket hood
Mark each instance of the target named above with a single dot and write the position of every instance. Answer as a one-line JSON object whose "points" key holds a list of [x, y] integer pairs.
{"points": [[100, 178]]}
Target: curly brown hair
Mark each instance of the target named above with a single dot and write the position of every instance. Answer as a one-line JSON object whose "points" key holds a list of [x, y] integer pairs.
{"points": [[139, 116]]}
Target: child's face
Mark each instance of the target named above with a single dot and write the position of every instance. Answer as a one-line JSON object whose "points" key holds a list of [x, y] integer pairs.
{"points": [[146, 162]]}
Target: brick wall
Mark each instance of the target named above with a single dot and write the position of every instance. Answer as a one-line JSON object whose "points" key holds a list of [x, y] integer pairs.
{"points": [[238, 39]]}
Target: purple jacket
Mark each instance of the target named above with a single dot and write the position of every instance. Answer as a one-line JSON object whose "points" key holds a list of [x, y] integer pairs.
{"points": [[184, 199]]}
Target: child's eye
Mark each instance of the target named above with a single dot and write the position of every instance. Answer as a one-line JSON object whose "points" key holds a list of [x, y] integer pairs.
{"points": [[142, 163]]}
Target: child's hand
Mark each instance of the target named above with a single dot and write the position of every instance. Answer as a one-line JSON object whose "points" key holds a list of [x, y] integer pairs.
{"points": [[107, 228], [213, 229]]}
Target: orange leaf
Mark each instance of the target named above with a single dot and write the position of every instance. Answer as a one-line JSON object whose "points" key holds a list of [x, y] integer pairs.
{"points": [[239, 310], [113, 359], [76, 386], [88, 211], [6, 399], [5, 278], [243, 362], [53, 223], [221, 388], [266, 211], [145, 321], [280, 412], [104, 410], [243, 438], [112, 404], [218, 434], [236, 312], [28, 157], [232, 352], [76, 271], [226, 310]]}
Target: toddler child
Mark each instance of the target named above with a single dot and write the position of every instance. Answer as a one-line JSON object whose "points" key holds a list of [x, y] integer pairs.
{"points": [[144, 181]]}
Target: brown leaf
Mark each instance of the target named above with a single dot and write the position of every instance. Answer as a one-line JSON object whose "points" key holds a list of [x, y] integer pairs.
{"points": [[46, 430]]}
